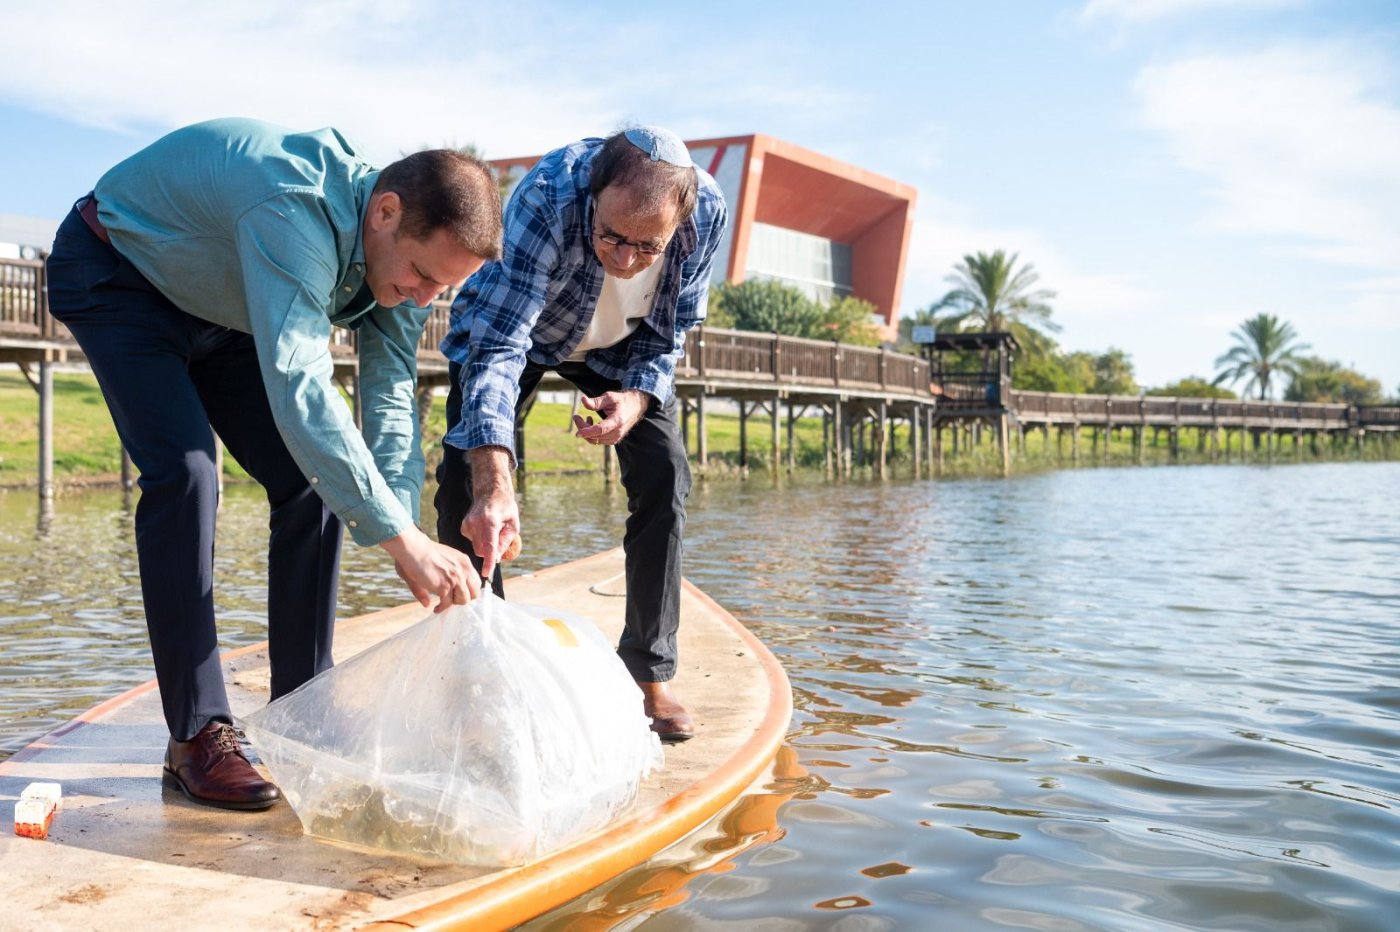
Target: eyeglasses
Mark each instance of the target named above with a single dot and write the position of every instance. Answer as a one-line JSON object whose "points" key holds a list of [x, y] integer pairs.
{"points": [[643, 249]]}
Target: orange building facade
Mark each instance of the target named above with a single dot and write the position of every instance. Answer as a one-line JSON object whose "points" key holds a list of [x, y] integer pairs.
{"points": [[808, 220]]}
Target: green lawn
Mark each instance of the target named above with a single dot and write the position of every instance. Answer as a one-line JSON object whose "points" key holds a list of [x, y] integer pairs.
{"points": [[86, 447]]}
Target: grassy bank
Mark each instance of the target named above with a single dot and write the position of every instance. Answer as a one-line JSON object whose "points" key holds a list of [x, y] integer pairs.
{"points": [[86, 450]]}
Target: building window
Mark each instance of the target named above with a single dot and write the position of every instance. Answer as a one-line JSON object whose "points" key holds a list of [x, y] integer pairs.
{"points": [[819, 267]]}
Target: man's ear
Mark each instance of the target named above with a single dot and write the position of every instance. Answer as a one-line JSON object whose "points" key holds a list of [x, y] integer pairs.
{"points": [[385, 210]]}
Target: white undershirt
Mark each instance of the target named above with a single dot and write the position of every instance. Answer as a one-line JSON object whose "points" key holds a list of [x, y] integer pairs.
{"points": [[622, 304]]}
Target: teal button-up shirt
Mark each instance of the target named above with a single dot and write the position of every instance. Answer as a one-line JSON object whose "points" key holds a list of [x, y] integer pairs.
{"points": [[258, 229]]}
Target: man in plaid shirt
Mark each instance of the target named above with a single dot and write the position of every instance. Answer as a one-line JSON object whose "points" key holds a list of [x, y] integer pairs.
{"points": [[608, 250]]}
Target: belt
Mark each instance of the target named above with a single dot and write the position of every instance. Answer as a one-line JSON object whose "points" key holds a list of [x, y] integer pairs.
{"points": [[87, 209]]}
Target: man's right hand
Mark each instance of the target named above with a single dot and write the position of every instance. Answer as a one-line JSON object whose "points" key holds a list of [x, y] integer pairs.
{"points": [[493, 523], [433, 570]]}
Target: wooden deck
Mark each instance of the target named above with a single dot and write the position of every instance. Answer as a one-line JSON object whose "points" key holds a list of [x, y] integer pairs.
{"points": [[124, 851]]}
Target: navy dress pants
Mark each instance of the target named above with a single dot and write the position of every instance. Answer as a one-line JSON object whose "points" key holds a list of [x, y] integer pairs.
{"points": [[656, 476], [169, 377]]}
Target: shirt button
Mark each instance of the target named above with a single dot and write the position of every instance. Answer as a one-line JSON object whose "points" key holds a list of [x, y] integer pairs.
{"points": [[346, 289], [315, 479], [354, 524]]}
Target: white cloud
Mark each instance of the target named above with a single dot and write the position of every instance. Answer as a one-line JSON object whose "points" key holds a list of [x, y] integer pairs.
{"points": [[393, 75], [1144, 11], [1298, 143]]}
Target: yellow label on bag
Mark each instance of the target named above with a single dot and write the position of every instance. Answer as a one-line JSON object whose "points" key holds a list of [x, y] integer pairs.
{"points": [[562, 632]]}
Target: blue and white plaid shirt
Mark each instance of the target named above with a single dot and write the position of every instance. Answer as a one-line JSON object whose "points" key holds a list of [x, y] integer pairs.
{"points": [[537, 301]]}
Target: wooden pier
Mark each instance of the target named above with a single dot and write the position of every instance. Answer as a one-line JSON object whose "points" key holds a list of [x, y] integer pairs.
{"points": [[865, 397]]}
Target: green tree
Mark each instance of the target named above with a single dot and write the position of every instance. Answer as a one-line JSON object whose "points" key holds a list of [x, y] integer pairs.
{"points": [[1191, 387], [849, 320], [1044, 372], [1320, 380], [1113, 373], [991, 291], [1264, 346], [1106, 373], [717, 312], [767, 305]]}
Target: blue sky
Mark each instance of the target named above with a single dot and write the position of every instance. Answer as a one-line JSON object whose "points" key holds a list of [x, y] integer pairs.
{"points": [[1170, 167]]}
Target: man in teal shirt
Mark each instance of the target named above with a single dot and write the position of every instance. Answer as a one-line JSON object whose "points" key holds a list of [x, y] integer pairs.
{"points": [[202, 279]]}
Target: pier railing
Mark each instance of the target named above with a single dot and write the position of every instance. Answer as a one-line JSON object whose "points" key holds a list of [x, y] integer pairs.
{"points": [[24, 311], [716, 358], [1064, 409], [713, 354]]}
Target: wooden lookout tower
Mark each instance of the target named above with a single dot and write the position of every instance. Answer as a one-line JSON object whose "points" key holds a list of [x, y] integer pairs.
{"points": [[971, 372]]}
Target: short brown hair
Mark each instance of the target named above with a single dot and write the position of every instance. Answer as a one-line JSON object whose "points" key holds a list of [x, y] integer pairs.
{"points": [[447, 189], [651, 181]]}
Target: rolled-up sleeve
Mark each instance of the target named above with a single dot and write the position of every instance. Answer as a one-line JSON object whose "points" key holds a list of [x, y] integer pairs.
{"points": [[286, 251], [388, 343]]}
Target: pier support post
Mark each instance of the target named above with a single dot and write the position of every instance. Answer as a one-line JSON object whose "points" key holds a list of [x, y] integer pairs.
{"points": [[791, 442], [743, 437], [849, 462], [838, 440], [827, 442], [1004, 442], [880, 427], [45, 430], [916, 440], [702, 440], [928, 437], [777, 455]]}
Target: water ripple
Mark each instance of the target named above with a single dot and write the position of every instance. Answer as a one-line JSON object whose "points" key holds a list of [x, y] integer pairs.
{"points": [[1100, 699]]}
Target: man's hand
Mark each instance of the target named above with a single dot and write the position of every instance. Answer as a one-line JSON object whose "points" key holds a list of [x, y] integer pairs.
{"points": [[433, 570], [493, 523], [619, 411]]}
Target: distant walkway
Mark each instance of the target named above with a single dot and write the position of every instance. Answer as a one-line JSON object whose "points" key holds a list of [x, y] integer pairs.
{"points": [[863, 395]]}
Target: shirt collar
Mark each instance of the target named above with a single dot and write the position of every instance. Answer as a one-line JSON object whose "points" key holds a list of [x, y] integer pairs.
{"points": [[364, 188]]}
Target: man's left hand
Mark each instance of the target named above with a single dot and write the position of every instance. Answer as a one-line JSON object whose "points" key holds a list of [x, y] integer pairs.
{"points": [[619, 412]]}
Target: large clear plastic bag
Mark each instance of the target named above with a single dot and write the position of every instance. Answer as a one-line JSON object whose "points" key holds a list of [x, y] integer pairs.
{"points": [[490, 734]]}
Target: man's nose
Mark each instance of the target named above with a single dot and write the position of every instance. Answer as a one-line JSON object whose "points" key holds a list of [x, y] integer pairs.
{"points": [[424, 294], [624, 255]]}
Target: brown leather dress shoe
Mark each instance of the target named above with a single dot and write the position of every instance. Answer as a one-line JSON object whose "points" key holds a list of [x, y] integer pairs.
{"points": [[669, 719], [212, 770]]}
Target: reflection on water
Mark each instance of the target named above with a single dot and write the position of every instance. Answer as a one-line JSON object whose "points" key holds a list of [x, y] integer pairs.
{"points": [[1101, 699]]}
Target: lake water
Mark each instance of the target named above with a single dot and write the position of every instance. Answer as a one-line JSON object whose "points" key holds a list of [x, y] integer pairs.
{"points": [[1152, 698]]}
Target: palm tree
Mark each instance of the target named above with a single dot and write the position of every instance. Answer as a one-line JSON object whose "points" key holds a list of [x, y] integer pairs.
{"points": [[1264, 346], [991, 291]]}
